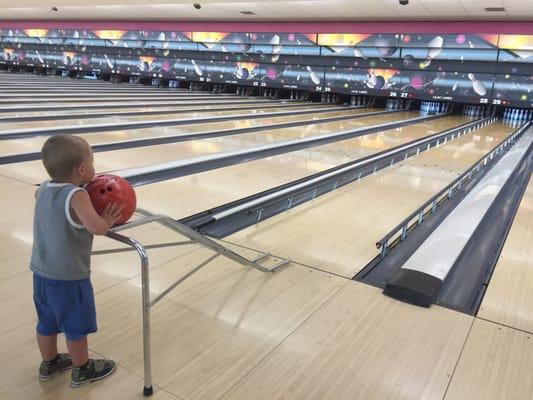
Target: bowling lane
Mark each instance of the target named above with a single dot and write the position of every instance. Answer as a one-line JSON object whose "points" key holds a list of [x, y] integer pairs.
{"points": [[337, 232], [38, 88], [508, 299], [119, 107], [98, 94], [59, 82], [192, 194], [31, 100], [8, 127], [33, 172], [98, 137], [55, 87]]}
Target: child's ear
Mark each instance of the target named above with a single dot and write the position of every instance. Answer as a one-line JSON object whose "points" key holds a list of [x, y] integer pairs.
{"points": [[81, 168]]}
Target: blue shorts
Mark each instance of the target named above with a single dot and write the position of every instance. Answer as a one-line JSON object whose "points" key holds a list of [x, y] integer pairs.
{"points": [[64, 306]]}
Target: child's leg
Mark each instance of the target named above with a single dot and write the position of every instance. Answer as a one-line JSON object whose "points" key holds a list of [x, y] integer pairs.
{"points": [[79, 351], [53, 362], [47, 346]]}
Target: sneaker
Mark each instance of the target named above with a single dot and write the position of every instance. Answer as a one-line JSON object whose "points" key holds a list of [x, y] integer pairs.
{"points": [[48, 369], [94, 370]]}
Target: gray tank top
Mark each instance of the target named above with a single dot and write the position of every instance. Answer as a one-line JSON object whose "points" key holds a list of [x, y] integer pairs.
{"points": [[61, 247]]}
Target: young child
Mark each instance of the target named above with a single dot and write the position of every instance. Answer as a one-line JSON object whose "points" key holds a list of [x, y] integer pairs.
{"points": [[63, 228]]}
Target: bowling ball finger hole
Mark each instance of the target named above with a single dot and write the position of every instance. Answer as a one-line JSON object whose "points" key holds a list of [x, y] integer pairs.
{"points": [[109, 188], [102, 191]]}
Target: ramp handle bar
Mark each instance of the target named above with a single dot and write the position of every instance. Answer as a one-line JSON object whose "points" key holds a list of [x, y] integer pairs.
{"points": [[194, 237]]}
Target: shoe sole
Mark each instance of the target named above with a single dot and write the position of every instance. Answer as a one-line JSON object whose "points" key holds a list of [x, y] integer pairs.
{"points": [[44, 378], [77, 385]]}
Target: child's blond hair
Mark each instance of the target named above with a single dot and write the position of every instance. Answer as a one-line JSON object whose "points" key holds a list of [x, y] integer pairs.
{"points": [[62, 153]]}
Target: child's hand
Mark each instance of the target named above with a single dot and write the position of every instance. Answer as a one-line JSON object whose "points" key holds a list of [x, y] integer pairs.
{"points": [[112, 213]]}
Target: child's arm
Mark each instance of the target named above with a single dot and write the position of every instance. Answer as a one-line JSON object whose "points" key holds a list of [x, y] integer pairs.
{"points": [[94, 223]]}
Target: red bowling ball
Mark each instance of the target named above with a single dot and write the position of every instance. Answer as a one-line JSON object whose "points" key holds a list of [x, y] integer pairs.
{"points": [[106, 189]]}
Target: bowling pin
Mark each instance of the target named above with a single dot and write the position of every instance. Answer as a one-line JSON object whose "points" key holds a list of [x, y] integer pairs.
{"points": [[313, 75], [108, 61], [197, 68], [477, 85], [435, 47]]}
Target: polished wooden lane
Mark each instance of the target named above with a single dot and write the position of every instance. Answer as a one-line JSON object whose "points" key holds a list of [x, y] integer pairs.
{"points": [[32, 172], [189, 195], [9, 127], [509, 299], [106, 104], [38, 88], [30, 101], [100, 136], [34, 99], [116, 108], [359, 214]]}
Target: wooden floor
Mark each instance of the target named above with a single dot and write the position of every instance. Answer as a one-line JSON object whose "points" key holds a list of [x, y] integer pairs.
{"points": [[304, 332]]}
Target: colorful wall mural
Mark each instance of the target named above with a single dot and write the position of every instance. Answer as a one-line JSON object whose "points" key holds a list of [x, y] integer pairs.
{"points": [[479, 68]]}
